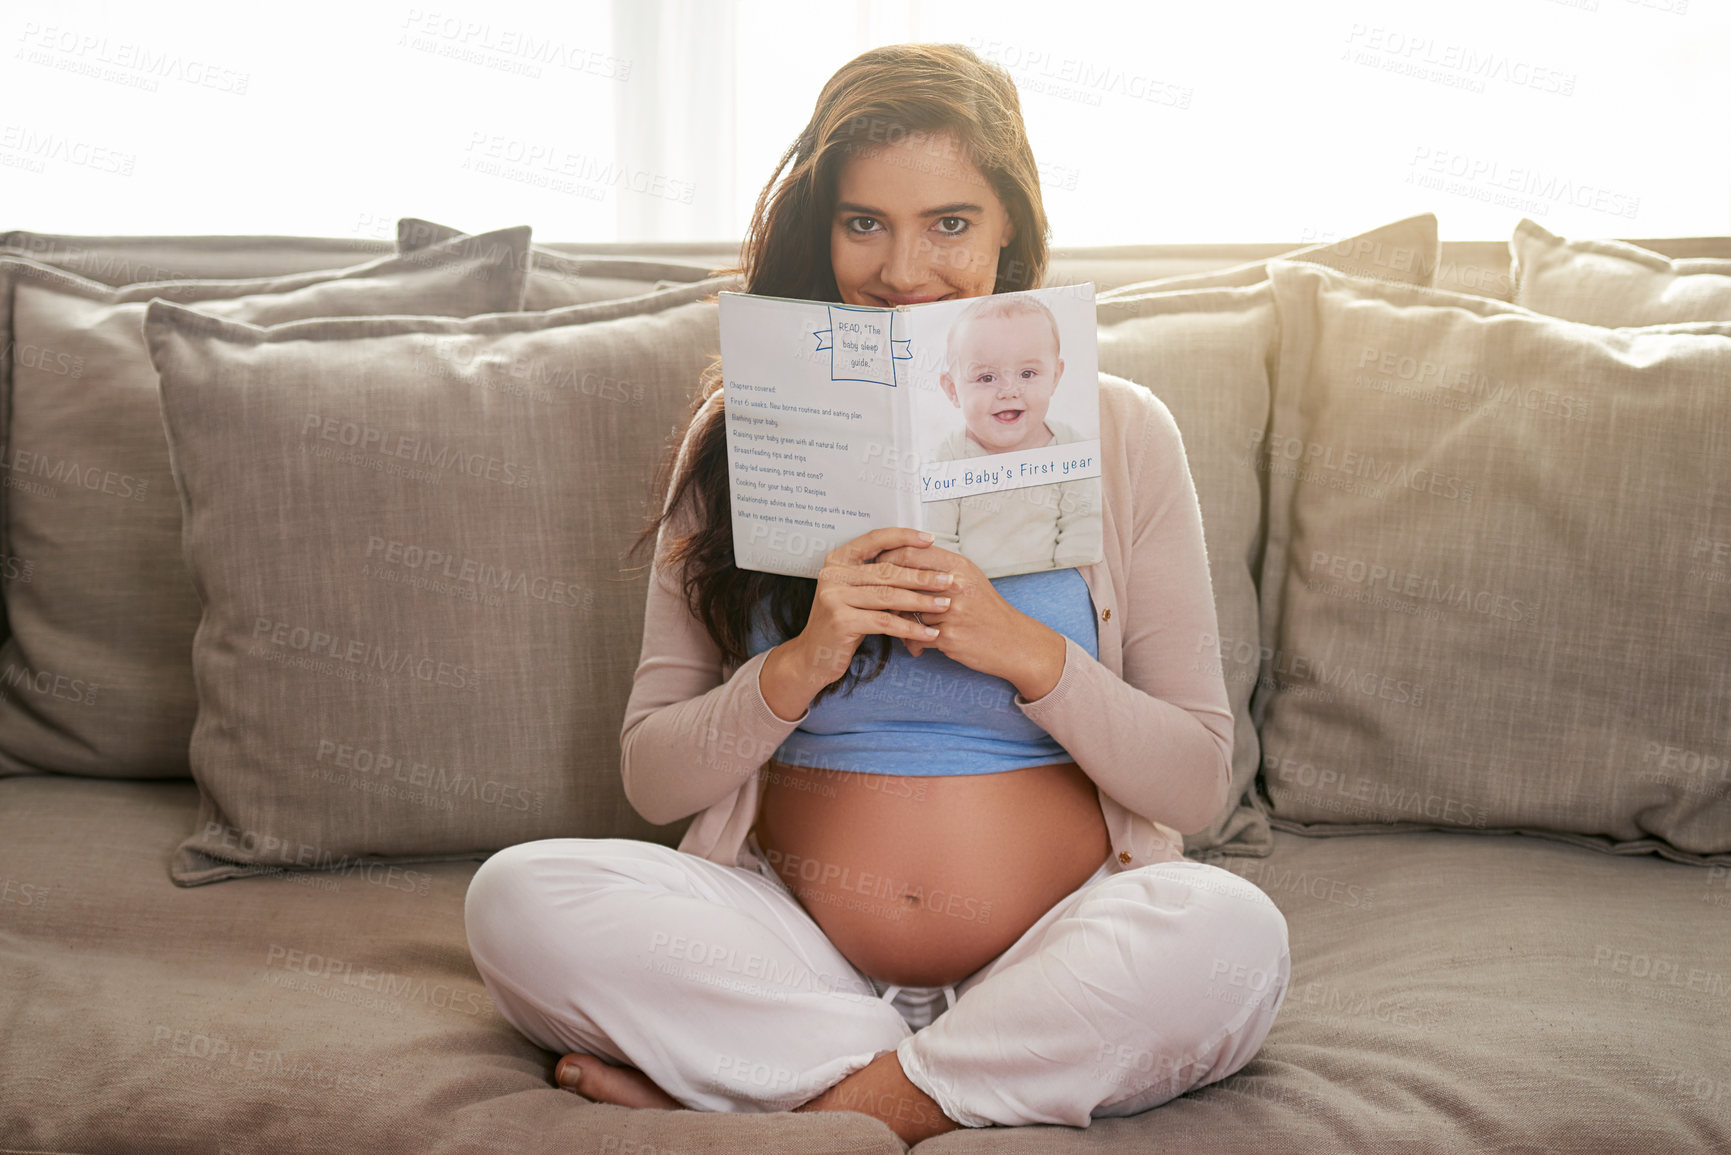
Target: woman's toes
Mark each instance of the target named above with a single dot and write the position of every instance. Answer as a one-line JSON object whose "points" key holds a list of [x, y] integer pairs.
{"points": [[569, 1072], [596, 1079]]}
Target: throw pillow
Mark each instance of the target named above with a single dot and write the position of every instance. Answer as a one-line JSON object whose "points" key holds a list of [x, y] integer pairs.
{"points": [[1206, 353], [96, 676], [408, 534], [130, 260], [1605, 282], [1497, 588], [1404, 250], [557, 279]]}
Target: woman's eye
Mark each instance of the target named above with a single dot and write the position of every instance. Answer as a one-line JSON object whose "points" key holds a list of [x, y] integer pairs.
{"points": [[852, 221], [961, 222]]}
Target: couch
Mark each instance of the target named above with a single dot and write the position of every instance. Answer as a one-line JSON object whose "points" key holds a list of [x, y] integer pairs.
{"points": [[314, 557]]}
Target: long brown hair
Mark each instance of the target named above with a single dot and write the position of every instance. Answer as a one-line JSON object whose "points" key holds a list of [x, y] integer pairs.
{"points": [[877, 97]]}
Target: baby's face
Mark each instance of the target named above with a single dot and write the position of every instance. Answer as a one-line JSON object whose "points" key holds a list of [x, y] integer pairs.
{"points": [[1005, 371]]}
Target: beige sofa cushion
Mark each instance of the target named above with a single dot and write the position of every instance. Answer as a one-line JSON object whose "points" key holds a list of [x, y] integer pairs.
{"points": [[130, 260], [1495, 590], [409, 534], [1447, 994], [557, 279], [1205, 352], [1606, 282], [96, 676], [1405, 250], [1492, 994], [326, 1010]]}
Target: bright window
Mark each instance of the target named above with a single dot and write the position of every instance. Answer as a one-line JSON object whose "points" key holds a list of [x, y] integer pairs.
{"points": [[660, 121]]}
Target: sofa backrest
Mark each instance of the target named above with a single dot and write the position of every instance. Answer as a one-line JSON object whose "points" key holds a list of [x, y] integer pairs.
{"points": [[1478, 267], [1150, 333]]}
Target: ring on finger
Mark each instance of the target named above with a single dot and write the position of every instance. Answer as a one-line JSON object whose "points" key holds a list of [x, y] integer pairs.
{"points": [[919, 617]]}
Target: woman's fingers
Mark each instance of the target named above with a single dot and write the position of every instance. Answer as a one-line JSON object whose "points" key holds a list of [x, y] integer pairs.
{"points": [[905, 627], [861, 620], [875, 541], [893, 574], [885, 557], [876, 597], [931, 558], [859, 592], [906, 569], [850, 583]]}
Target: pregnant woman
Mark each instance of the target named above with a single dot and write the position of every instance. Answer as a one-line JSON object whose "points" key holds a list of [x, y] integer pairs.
{"points": [[936, 873]]}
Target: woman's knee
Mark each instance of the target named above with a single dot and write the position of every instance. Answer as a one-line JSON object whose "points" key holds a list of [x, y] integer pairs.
{"points": [[516, 889], [1242, 910], [1236, 906], [1253, 966], [1221, 963], [1204, 927], [499, 896], [1241, 972]]}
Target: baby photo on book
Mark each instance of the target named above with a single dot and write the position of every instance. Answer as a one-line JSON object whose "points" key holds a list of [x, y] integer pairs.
{"points": [[976, 419], [1002, 373]]}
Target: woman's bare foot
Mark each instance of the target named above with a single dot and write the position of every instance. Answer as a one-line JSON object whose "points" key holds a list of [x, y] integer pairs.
{"points": [[879, 1089], [883, 1090], [594, 1078]]}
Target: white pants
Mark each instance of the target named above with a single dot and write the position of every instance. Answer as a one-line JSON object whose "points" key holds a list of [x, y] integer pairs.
{"points": [[715, 982]]}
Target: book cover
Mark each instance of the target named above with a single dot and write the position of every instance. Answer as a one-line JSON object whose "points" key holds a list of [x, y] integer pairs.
{"points": [[977, 419]]}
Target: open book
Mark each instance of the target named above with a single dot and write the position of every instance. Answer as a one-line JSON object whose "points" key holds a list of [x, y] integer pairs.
{"points": [[977, 419]]}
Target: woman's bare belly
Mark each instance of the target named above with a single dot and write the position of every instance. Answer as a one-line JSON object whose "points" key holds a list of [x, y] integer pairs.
{"points": [[922, 881]]}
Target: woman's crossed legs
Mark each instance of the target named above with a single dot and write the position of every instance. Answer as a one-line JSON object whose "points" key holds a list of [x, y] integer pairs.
{"points": [[717, 985]]}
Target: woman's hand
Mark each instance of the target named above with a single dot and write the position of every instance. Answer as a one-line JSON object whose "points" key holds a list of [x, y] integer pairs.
{"points": [[983, 631], [859, 592]]}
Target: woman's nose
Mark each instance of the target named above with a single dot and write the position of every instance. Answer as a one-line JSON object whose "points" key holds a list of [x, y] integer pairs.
{"points": [[906, 268]]}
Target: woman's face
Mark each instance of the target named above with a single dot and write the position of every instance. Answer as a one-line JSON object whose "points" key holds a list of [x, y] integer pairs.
{"points": [[915, 221]]}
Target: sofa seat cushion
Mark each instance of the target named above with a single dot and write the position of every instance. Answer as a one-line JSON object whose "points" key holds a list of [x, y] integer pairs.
{"points": [[1449, 992], [1463, 993], [324, 1011]]}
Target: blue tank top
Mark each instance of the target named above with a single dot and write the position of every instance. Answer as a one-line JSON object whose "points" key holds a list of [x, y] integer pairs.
{"points": [[931, 716]]}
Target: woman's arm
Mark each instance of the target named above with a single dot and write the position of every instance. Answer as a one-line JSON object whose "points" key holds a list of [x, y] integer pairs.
{"points": [[1158, 739], [690, 737]]}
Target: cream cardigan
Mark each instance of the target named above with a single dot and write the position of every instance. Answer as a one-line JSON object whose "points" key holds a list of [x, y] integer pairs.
{"points": [[1149, 721]]}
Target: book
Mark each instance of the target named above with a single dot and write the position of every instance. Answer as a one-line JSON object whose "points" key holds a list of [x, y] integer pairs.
{"points": [[977, 419]]}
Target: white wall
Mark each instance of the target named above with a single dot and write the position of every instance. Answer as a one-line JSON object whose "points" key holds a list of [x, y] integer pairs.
{"points": [[661, 119]]}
